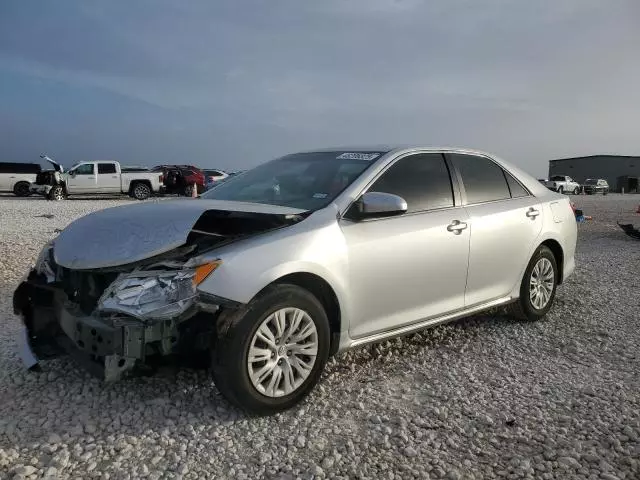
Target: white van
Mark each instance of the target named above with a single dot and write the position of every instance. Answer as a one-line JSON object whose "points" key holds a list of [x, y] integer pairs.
{"points": [[16, 177]]}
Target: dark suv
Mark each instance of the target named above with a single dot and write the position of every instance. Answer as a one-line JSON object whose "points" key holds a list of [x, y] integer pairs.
{"points": [[179, 179], [596, 185]]}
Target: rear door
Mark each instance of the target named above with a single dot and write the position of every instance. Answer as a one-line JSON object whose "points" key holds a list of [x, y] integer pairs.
{"points": [[82, 179], [505, 222], [108, 178]]}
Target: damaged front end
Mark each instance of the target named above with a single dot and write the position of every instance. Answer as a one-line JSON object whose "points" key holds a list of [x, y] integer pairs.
{"points": [[47, 180], [116, 320]]}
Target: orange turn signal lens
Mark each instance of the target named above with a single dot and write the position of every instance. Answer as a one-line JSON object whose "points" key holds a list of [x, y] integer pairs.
{"points": [[203, 271]]}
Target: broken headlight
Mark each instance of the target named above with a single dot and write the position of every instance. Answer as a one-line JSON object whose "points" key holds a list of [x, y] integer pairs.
{"points": [[160, 294], [43, 263]]}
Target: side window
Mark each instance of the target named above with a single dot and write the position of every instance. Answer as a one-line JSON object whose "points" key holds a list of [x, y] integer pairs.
{"points": [[483, 180], [86, 169], [422, 180], [515, 188], [106, 168]]}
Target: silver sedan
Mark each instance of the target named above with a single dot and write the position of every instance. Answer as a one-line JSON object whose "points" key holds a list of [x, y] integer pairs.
{"points": [[302, 257]]}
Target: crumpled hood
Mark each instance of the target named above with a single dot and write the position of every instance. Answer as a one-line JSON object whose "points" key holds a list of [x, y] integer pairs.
{"points": [[130, 233]]}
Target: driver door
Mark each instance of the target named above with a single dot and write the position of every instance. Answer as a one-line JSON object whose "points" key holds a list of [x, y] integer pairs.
{"points": [[82, 179], [410, 267]]}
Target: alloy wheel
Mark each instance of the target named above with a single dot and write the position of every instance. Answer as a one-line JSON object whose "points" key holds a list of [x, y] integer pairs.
{"points": [[282, 352], [541, 283], [140, 191]]}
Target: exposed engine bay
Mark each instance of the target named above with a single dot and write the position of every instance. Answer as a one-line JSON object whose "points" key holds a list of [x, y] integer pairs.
{"points": [[117, 318]]}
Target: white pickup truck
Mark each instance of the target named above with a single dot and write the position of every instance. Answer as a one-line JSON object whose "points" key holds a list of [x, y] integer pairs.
{"points": [[97, 177], [563, 184]]}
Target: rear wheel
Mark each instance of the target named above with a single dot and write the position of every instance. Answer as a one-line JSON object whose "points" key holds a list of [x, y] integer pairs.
{"points": [[576, 191], [538, 287], [272, 357], [141, 191], [21, 189]]}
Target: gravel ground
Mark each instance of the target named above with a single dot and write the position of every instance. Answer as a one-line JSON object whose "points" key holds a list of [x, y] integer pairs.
{"points": [[486, 397]]}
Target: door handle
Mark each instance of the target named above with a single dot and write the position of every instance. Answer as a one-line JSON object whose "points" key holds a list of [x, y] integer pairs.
{"points": [[532, 213], [456, 227], [114, 176], [91, 178]]}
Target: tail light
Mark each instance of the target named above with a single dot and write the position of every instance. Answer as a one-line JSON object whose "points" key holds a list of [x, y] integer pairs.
{"points": [[161, 178]]}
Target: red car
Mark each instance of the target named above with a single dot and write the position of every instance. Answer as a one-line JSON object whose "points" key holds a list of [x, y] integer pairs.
{"points": [[179, 179]]}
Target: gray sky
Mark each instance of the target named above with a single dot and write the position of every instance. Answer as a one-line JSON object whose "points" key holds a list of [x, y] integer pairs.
{"points": [[231, 83]]}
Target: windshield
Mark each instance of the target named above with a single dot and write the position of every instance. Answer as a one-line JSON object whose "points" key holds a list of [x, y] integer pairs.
{"points": [[591, 181], [558, 178], [308, 181]]}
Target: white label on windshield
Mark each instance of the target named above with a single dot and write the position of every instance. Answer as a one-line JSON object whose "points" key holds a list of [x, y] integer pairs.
{"points": [[320, 195], [357, 156]]}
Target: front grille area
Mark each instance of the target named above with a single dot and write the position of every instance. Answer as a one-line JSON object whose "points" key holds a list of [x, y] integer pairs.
{"points": [[84, 288]]}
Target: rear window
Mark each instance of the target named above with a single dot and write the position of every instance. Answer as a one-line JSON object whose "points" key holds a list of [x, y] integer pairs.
{"points": [[16, 167], [106, 168], [591, 181], [483, 179]]}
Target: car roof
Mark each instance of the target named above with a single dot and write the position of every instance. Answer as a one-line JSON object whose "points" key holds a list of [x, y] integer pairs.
{"points": [[388, 148]]}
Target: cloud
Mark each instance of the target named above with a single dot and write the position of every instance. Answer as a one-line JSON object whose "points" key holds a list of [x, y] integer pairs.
{"points": [[528, 79]]}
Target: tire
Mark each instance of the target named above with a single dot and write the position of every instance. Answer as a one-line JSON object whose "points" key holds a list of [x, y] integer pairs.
{"points": [[576, 191], [187, 191], [604, 192], [560, 190], [230, 353], [140, 191], [524, 308], [56, 193], [21, 189]]}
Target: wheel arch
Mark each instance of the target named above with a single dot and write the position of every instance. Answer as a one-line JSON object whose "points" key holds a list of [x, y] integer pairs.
{"points": [[325, 294], [133, 183], [558, 253]]}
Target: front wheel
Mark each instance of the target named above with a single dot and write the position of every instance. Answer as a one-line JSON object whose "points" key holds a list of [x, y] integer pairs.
{"points": [[560, 189], [141, 191], [604, 192], [56, 193], [270, 359], [538, 287]]}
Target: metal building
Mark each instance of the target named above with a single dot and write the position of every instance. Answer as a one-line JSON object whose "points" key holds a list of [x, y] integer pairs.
{"points": [[619, 171]]}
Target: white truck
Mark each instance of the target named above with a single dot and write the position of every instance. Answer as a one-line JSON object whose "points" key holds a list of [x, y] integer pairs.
{"points": [[563, 184], [97, 177]]}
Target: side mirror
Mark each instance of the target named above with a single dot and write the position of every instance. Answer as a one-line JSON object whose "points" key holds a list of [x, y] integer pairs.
{"points": [[72, 173], [380, 204]]}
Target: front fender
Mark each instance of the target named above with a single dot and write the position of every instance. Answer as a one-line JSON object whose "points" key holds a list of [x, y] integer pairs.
{"points": [[242, 288]]}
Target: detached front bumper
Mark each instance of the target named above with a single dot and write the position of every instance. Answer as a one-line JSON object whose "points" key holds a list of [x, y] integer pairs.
{"points": [[40, 189], [108, 347]]}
